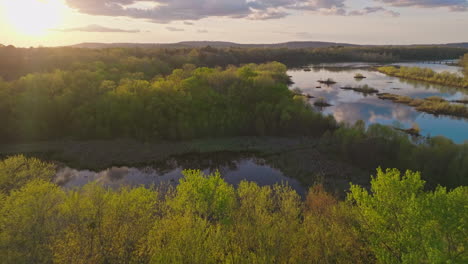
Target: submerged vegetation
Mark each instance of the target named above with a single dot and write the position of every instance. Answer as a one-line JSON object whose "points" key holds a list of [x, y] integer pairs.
{"points": [[206, 220], [432, 105]]}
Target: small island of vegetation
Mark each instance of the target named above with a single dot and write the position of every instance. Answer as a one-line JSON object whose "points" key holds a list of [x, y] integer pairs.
{"points": [[359, 76], [328, 81], [428, 75], [321, 102], [362, 89], [432, 105]]}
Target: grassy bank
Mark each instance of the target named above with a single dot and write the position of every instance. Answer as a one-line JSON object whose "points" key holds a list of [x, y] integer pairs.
{"points": [[432, 105], [425, 74]]}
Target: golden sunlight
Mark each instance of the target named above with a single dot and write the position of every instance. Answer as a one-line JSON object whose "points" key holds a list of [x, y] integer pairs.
{"points": [[33, 17]]}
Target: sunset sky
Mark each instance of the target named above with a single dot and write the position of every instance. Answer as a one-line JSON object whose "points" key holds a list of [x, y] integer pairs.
{"points": [[64, 22]]}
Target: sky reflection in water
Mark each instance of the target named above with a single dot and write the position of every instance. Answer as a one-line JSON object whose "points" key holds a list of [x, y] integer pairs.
{"points": [[350, 106], [244, 169]]}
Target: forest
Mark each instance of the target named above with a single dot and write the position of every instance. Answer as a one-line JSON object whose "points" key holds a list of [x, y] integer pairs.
{"points": [[206, 220], [188, 103], [414, 213], [191, 103], [117, 62]]}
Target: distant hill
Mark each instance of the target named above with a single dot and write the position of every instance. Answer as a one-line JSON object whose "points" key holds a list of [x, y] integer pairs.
{"points": [[215, 44], [222, 44], [457, 45]]}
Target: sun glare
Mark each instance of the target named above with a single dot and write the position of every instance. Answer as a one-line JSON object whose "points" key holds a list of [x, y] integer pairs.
{"points": [[33, 17]]}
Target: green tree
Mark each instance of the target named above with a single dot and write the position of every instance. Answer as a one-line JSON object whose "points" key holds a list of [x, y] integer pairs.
{"points": [[17, 171], [209, 197], [404, 224], [105, 226], [29, 221]]}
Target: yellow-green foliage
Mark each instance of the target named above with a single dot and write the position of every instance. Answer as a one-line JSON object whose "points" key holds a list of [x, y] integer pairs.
{"points": [[30, 221], [426, 74], [433, 105], [189, 103], [405, 224], [18, 170], [464, 64], [206, 220]]}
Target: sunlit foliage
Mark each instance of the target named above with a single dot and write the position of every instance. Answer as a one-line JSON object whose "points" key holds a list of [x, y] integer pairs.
{"points": [[189, 103], [206, 220], [405, 224], [18, 170]]}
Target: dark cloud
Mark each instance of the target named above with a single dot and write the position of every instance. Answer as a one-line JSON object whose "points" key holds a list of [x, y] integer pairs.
{"points": [[370, 10], [96, 28], [188, 23], [174, 29], [453, 5]]}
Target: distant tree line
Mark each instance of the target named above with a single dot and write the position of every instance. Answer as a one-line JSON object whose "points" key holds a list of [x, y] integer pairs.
{"points": [[206, 220], [16, 62]]}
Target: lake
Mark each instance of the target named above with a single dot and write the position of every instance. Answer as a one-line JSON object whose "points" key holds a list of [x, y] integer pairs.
{"points": [[248, 169], [349, 106]]}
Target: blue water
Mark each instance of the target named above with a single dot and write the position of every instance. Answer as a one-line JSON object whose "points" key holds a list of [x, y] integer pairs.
{"points": [[350, 106]]}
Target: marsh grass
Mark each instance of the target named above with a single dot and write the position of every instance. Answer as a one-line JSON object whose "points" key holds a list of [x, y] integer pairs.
{"points": [[433, 105]]}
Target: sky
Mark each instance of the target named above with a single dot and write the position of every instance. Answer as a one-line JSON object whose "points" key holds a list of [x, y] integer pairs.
{"points": [[26, 23]]}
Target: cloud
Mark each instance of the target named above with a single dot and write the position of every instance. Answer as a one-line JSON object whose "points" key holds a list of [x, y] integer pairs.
{"points": [[271, 13], [97, 28], [452, 5], [370, 10], [165, 11], [174, 29], [202, 31], [188, 23]]}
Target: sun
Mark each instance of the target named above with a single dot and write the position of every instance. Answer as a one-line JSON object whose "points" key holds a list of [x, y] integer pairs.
{"points": [[33, 17]]}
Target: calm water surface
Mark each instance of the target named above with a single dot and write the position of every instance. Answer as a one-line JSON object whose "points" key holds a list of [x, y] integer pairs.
{"points": [[350, 106], [244, 169], [434, 66]]}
